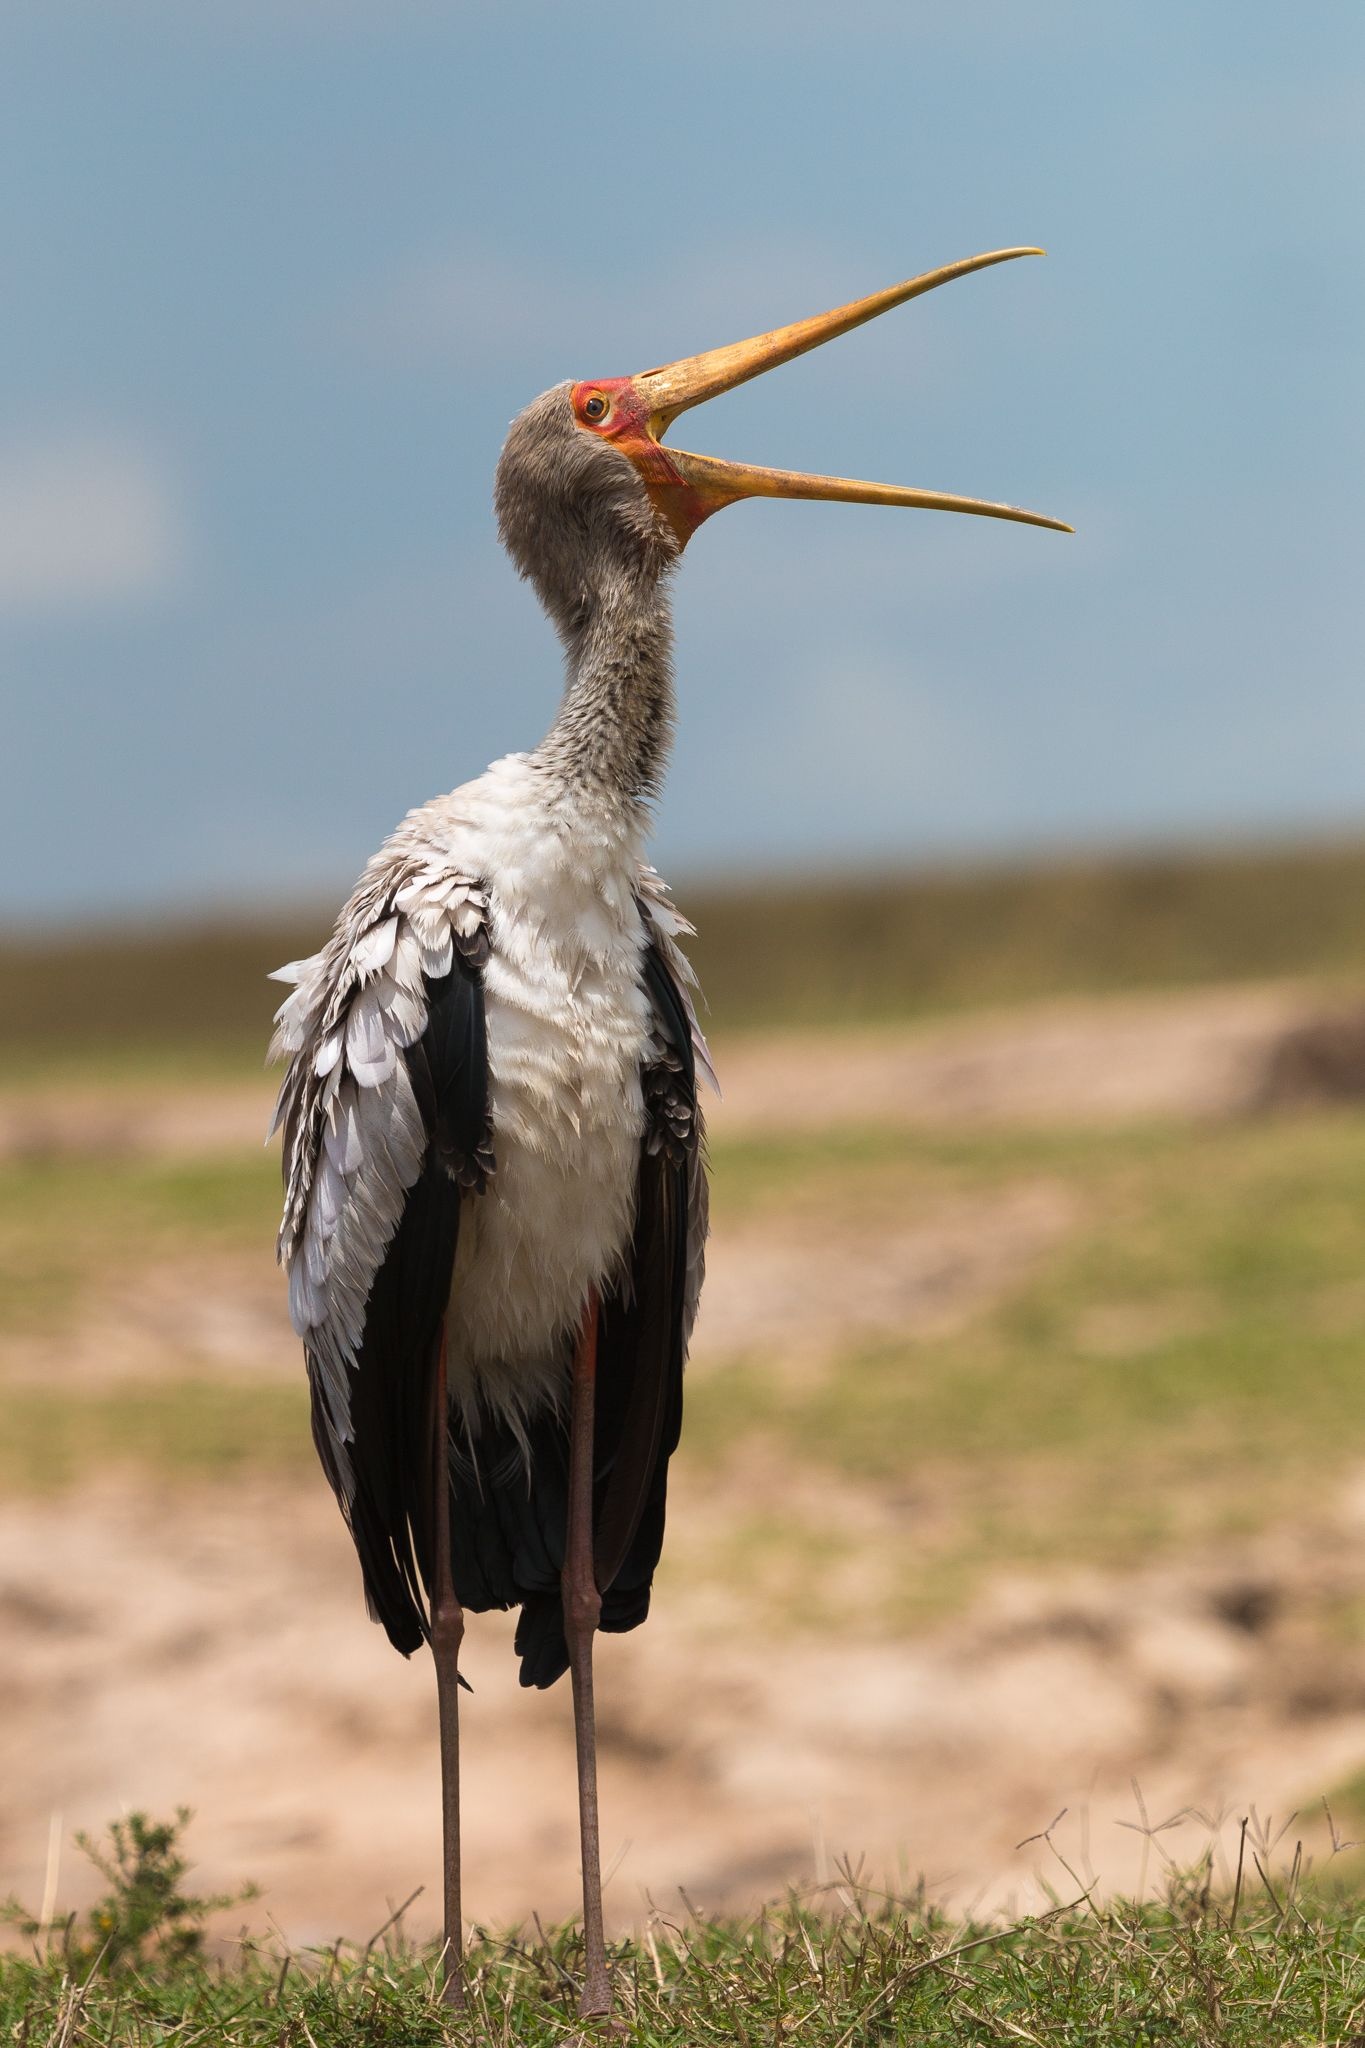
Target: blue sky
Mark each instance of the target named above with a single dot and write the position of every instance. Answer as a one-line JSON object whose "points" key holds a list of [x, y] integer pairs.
{"points": [[278, 272]]}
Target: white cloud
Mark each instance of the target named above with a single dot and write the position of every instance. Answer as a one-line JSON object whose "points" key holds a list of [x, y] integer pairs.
{"points": [[86, 521]]}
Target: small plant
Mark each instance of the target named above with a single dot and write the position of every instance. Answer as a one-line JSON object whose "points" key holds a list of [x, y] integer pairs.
{"points": [[145, 1919], [1245, 1954]]}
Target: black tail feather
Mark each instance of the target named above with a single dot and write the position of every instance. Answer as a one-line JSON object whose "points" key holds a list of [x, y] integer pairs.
{"points": [[540, 1640]]}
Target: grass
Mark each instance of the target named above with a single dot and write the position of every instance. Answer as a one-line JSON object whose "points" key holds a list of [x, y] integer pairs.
{"points": [[1126, 1977], [183, 1431], [193, 1003], [835, 951], [1180, 1366], [1260, 1960], [67, 1223]]}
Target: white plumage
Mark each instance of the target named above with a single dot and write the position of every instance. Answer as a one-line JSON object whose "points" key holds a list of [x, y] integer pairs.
{"points": [[554, 875]]}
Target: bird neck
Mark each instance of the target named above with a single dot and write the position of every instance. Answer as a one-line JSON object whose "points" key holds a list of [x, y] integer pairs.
{"points": [[614, 727]]}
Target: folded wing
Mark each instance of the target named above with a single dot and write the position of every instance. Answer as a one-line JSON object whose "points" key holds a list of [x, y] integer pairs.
{"points": [[385, 1114]]}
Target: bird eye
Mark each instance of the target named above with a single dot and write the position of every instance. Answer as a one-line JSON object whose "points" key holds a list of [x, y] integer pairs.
{"points": [[595, 407]]}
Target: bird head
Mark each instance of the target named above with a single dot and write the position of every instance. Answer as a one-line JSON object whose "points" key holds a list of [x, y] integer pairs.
{"points": [[586, 471]]}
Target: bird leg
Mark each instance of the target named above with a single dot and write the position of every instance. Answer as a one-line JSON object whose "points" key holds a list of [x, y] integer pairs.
{"points": [[447, 1633], [582, 1612]]}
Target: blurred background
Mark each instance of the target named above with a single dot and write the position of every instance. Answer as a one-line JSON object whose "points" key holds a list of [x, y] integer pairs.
{"points": [[1026, 1442]]}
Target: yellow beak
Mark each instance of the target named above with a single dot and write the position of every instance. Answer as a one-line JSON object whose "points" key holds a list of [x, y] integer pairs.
{"points": [[688, 488]]}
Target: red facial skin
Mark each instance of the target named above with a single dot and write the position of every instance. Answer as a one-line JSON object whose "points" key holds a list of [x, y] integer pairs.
{"points": [[627, 424]]}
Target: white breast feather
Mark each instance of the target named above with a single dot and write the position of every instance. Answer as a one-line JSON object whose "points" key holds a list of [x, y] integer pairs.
{"points": [[568, 1029]]}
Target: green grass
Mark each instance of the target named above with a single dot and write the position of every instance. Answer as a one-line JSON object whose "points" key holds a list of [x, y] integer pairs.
{"points": [[186, 1003], [193, 1002], [1179, 1973], [184, 1431], [1261, 1956], [1183, 1364], [67, 1222], [841, 951]]}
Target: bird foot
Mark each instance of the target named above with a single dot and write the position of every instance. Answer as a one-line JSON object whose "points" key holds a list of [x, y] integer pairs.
{"points": [[600, 2027]]}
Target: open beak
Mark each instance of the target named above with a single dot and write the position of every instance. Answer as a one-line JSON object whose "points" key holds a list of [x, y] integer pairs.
{"points": [[687, 488]]}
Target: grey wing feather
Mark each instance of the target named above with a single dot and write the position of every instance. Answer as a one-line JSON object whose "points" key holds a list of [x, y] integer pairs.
{"points": [[354, 1137]]}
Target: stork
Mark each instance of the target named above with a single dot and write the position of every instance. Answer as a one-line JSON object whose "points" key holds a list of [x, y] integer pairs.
{"points": [[495, 1187]]}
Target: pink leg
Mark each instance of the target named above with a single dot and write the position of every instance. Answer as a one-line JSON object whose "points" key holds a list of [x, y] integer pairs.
{"points": [[447, 1633], [582, 1612]]}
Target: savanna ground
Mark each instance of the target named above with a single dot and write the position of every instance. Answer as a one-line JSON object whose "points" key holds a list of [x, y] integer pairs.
{"points": [[1024, 1459]]}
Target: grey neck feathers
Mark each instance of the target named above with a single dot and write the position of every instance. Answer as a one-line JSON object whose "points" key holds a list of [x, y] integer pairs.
{"points": [[614, 727]]}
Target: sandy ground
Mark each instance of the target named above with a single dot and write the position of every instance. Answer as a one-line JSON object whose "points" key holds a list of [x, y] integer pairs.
{"points": [[213, 1652], [802, 1285], [1203, 1053], [210, 1649]]}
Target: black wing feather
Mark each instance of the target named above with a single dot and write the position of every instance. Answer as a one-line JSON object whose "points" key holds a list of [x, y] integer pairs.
{"points": [[640, 1364], [388, 1497]]}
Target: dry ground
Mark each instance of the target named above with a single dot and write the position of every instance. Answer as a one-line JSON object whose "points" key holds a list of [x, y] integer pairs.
{"points": [[1202, 1053], [170, 1638], [215, 1654]]}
